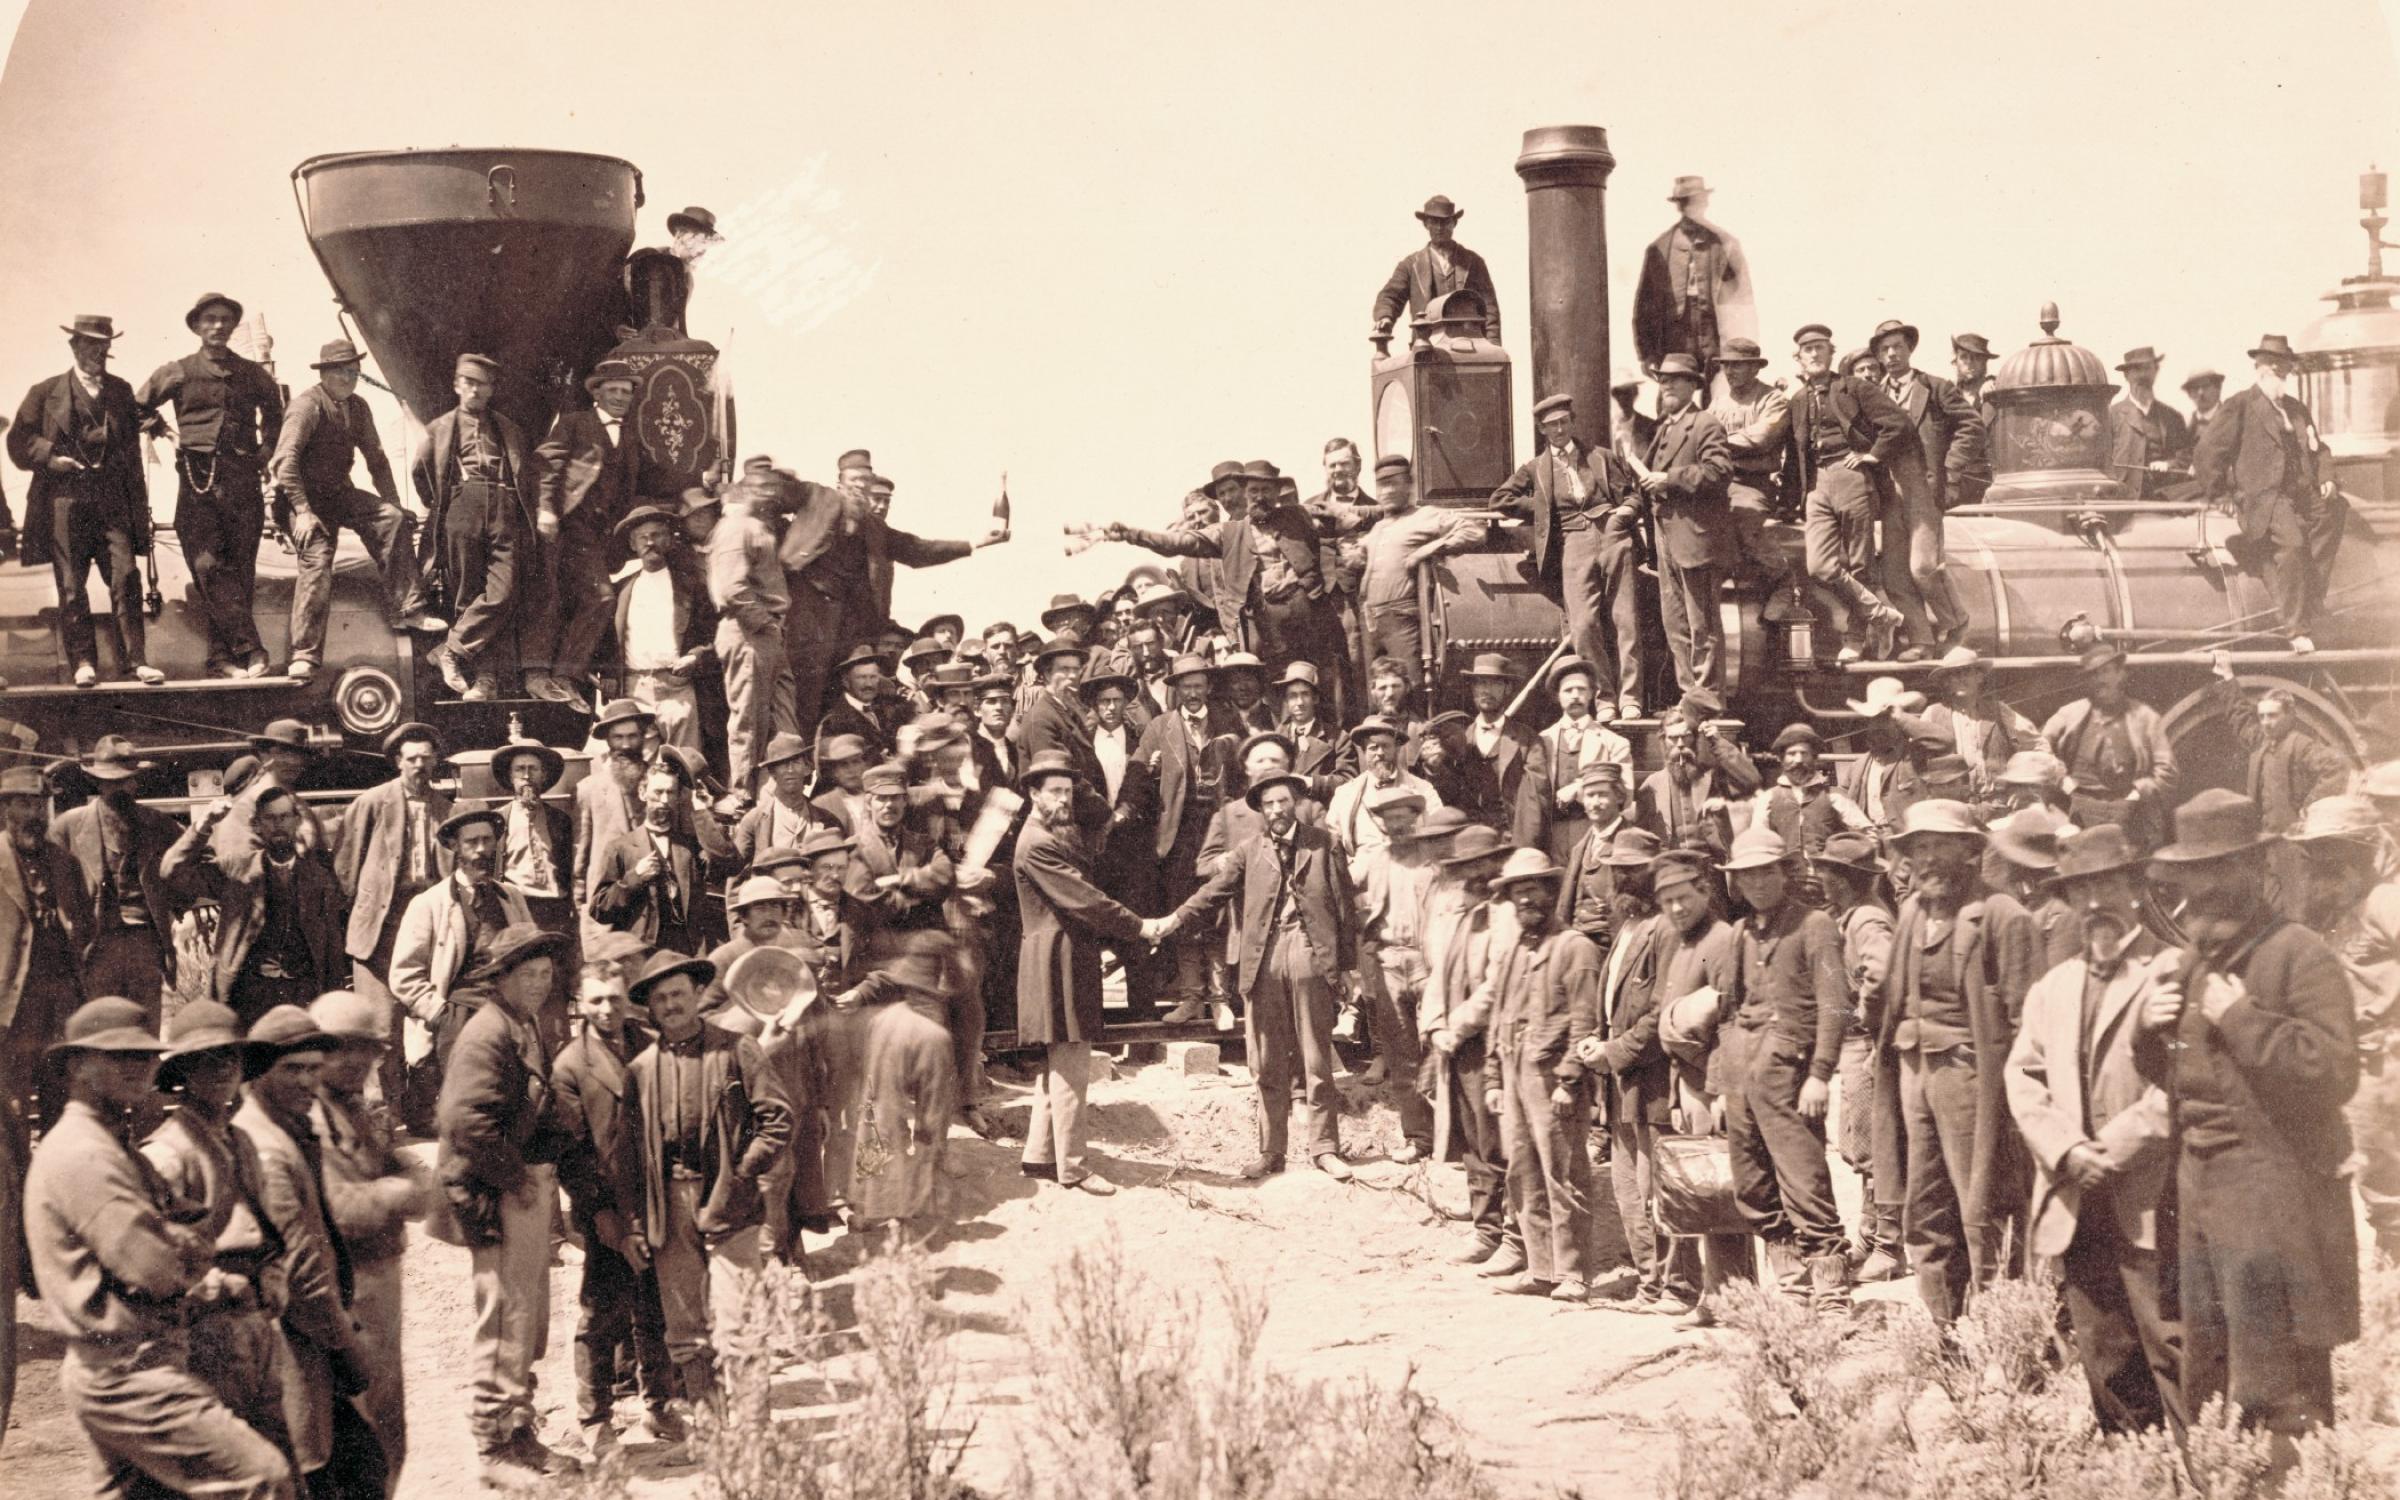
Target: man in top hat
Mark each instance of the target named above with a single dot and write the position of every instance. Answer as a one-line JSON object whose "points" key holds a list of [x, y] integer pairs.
{"points": [[281, 927], [118, 844], [324, 1362], [2262, 454], [372, 1191], [2257, 1049], [446, 930], [652, 880], [1962, 958], [209, 1177], [1442, 267], [608, 800], [2150, 448], [114, 1267], [754, 602], [228, 417], [2354, 904], [589, 471], [1298, 927], [1545, 988], [2119, 762], [1689, 273], [2101, 1137], [2206, 388], [1846, 433], [328, 427], [1686, 469], [1582, 504], [1757, 417], [1781, 1042], [783, 815], [89, 502], [1578, 739], [484, 529], [707, 1120], [666, 623], [497, 1167]]}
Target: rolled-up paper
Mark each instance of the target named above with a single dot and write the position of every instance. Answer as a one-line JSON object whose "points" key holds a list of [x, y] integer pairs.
{"points": [[992, 823]]}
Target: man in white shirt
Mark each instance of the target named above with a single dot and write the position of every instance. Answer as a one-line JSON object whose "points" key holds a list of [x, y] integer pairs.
{"points": [[590, 468], [1561, 751], [1377, 742], [1404, 538], [1112, 736], [664, 623]]}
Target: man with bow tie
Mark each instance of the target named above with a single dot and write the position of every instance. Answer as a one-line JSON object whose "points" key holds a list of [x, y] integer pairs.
{"points": [[590, 471], [652, 880]]}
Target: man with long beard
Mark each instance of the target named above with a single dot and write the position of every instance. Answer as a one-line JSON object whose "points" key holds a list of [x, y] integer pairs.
{"points": [[608, 800], [280, 934], [1685, 801]]}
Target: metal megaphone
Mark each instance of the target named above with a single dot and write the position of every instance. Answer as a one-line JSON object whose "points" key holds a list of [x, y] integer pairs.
{"points": [[765, 981]]}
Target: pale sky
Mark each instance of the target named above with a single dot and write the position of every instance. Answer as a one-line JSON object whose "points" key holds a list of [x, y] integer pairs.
{"points": [[1102, 246]]}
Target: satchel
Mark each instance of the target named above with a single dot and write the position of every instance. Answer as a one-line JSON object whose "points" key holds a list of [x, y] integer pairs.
{"points": [[1694, 1178]]}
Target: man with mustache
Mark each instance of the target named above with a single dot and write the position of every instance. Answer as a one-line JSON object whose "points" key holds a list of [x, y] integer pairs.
{"points": [[608, 801], [118, 844], [389, 854], [281, 925], [1685, 801], [666, 624], [590, 470], [653, 879], [2261, 450], [448, 930], [2355, 906]]}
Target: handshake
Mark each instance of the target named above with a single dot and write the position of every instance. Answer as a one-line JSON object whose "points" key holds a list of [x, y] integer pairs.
{"points": [[1156, 930]]}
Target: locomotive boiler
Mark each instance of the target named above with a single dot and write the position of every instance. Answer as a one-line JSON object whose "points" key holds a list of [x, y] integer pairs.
{"points": [[2055, 557]]}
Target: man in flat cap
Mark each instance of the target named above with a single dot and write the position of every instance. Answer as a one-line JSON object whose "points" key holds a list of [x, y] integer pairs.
{"points": [[228, 417], [89, 502], [590, 470], [1442, 267], [1845, 432], [1404, 538], [328, 427], [484, 525], [1583, 504], [1695, 286], [2150, 447], [2263, 455]]}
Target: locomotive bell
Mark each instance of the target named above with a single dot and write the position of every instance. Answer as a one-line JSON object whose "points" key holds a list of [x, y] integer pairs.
{"points": [[2049, 435]]}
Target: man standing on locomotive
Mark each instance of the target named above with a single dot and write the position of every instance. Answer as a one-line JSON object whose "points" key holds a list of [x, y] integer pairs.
{"points": [[88, 502], [590, 472], [315, 499], [476, 476], [1582, 502], [228, 417], [2261, 451], [1843, 431]]}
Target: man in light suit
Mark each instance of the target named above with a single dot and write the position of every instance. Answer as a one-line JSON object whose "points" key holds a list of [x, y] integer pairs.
{"points": [[476, 476], [390, 851], [448, 930], [608, 800], [2100, 1136], [2261, 451], [590, 471], [1442, 267], [1299, 927], [1689, 464]]}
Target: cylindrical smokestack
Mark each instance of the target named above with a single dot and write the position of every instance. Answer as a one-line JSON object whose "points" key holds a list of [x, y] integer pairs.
{"points": [[1566, 169]]}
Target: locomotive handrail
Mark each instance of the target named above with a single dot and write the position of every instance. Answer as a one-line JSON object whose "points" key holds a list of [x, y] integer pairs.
{"points": [[2355, 656]]}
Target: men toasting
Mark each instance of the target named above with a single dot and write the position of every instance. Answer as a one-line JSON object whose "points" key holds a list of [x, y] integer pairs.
{"points": [[483, 528], [228, 416], [326, 428], [88, 504], [590, 471]]}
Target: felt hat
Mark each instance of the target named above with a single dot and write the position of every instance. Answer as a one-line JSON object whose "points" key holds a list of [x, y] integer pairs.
{"points": [[1219, 473], [2381, 780], [1064, 607], [1570, 666], [514, 948], [282, 1031], [694, 218], [1960, 659], [1797, 734], [1491, 664], [1700, 704], [108, 1024], [1972, 343], [1291, 751], [2348, 817], [283, 734], [504, 759], [612, 946], [1907, 332], [1440, 823], [1549, 404], [1684, 365], [756, 889], [1238, 661], [2028, 838], [1852, 851], [401, 734], [2214, 825], [1110, 674], [348, 1016], [1472, 845], [334, 354], [1156, 596], [1373, 724], [1386, 799], [1686, 187], [820, 841], [2203, 377], [1755, 848], [606, 371], [1944, 770], [783, 747], [1937, 815], [1884, 695], [2087, 852], [665, 964], [200, 1027], [92, 326], [2100, 655], [1676, 866], [1259, 468], [2275, 346], [1439, 206], [1264, 784], [1044, 765], [884, 778], [1299, 671], [840, 748], [622, 711], [112, 759], [1631, 848], [239, 773], [933, 625], [208, 300], [2145, 355], [1740, 352], [924, 649], [2033, 768], [1527, 864], [859, 656], [1066, 644], [465, 817]]}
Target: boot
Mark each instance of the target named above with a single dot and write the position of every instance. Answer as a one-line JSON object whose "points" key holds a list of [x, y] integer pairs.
{"points": [[1829, 1284], [1788, 1269]]}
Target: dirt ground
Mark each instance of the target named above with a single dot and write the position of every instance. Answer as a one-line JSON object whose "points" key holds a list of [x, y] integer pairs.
{"points": [[1553, 1395]]}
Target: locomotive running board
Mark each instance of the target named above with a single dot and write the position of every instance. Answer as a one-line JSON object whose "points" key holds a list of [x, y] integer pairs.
{"points": [[113, 688]]}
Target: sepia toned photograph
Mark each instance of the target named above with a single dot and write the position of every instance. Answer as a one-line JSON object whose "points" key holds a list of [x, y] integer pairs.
{"points": [[1085, 751]]}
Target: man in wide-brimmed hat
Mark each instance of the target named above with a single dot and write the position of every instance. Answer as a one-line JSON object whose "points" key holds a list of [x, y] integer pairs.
{"points": [[1460, 940], [89, 502], [2258, 1045], [1442, 267], [652, 880], [1757, 417], [537, 855], [118, 843], [1983, 728], [2150, 448], [282, 928], [665, 622], [1883, 780], [2101, 1136], [1963, 956], [589, 468], [1581, 505], [115, 1267], [2023, 859], [608, 798], [857, 705], [1695, 284], [328, 427], [228, 416], [783, 815], [390, 851], [2120, 764], [485, 530], [1850, 871], [2261, 452], [2355, 905], [446, 931]]}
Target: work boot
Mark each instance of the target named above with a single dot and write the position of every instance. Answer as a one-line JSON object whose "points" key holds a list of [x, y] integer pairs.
{"points": [[1883, 632], [302, 671], [1331, 1164], [1788, 1269], [1184, 1013], [1509, 1260], [1475, 1252], [454, 674], [147, 675], [483, 689], [1829, 1284], [523, 1461], [1881, 1264], [422, 623], [1571, 1289], [1526, 1286], [1262, 1166]]}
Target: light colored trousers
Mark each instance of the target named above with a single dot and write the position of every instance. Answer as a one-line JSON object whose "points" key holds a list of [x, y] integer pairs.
{"points": [[1054, 1132], [512, 1310]]}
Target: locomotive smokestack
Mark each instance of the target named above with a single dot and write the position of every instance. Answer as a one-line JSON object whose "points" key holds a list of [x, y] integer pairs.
{"points": [[1566, 169]]}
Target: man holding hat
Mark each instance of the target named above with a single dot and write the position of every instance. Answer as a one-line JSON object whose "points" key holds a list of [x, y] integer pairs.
{"points": [[666, 623], [114, 1266], [2257, 1049], [446, 931], [1573, 743], [2354, 904], [2120, 765], [281, 925], [2100, 1137], [1442, 267], [1845, 434], [2261, 452], [707, 1119], [228, 417], [500, 1142], [1582, 504], [589, 469], [1685, 472], [118, 844], [89, 502], [1963, 957], [2149, 447], [484, 531], [1686, 801], [328, 427], [1688, 274], [748, 587]]}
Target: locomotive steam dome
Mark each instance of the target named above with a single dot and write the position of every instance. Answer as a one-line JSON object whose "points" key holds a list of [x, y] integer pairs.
{"points": [[2049, 434]]}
